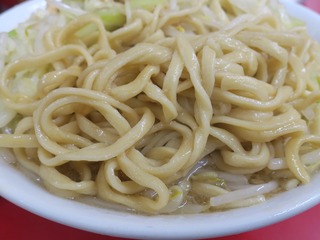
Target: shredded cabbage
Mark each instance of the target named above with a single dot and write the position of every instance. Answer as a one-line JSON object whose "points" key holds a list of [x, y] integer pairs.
{"points": [[287, 20], [248, 6], [146, 4]]}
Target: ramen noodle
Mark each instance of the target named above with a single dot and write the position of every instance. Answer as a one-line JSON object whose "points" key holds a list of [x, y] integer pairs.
{"points": [[175, 106]]}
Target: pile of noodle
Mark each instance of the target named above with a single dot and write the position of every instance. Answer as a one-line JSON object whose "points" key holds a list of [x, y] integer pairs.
{"points": [[182, 107]]}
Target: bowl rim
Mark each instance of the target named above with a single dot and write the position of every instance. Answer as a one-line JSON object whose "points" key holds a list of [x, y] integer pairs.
{"points": [[20, 190]]}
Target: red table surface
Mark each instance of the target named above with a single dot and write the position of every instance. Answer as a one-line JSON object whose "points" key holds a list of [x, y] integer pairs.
{"points": [[16, 223]]}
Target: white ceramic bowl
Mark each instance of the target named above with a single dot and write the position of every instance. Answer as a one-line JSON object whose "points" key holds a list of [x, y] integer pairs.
{"points": [[28, 194]]}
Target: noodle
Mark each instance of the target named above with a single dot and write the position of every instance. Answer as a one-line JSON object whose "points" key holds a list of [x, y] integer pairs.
{"points": [[168, 107]]}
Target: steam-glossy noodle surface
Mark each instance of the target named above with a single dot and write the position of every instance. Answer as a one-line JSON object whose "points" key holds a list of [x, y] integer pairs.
{"points": [[178, 107]]}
